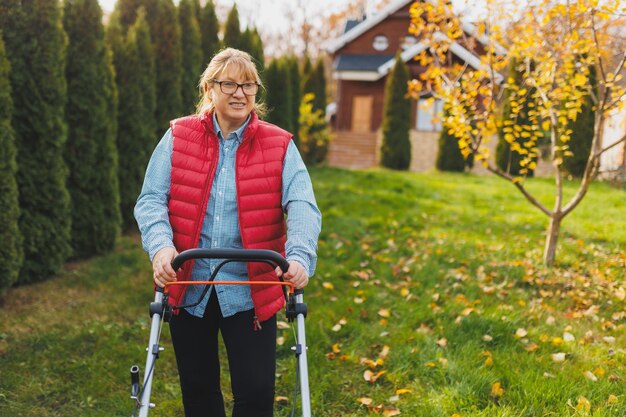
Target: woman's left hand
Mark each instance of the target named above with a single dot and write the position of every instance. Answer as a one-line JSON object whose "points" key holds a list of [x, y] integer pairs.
{"points": [[296, 274]]}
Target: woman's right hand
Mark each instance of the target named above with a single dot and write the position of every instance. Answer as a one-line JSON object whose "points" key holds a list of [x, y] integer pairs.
{"points": [[162, 266]]}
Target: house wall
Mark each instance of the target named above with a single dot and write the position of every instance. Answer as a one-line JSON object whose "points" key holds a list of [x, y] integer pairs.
{"points": [[395, 27], [613, 161]]}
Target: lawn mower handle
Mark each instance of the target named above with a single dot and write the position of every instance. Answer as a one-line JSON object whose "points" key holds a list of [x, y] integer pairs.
{"points": [[248, 255]]}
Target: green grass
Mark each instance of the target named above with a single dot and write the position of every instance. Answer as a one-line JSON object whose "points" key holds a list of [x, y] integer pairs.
{"points": [[455, 260]]}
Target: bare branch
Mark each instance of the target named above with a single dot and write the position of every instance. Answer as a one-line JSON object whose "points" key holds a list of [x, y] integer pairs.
{"points": [[521, 188], [623, 139]]}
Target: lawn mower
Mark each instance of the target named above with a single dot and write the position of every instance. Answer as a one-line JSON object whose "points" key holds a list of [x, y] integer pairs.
{"points": [[161, 311]]}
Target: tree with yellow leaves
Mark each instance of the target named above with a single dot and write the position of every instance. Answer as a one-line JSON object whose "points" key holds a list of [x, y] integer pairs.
{"points": [[557, 45]]}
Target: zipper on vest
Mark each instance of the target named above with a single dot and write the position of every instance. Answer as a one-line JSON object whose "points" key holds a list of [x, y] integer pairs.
{"points": [[256, 324]]}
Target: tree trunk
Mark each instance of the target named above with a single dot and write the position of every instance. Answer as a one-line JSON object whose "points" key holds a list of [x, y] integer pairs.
{"points": [[552, 238]]}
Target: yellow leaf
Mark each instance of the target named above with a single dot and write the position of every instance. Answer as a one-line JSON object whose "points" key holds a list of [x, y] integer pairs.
{"points": [[384, 312], [612, 399], [497, 390], [336, 348], [391, 412], [383, 353], [489, 361], [590, 376], [364, 400], [328, 285], [403, 391], [545, 125], [443, 342], [431, 364], [404, 291], [557, 341], [281, 398], [583, 405]]}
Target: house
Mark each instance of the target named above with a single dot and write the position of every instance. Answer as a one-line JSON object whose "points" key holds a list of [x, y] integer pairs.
{"points": [[362, 58]]}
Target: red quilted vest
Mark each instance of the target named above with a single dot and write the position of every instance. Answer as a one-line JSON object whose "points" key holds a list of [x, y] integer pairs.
{"points": [[258, 170]]}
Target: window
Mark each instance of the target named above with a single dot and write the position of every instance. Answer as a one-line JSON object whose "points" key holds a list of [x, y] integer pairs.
{"points": [[429, 115], [380, 42]]}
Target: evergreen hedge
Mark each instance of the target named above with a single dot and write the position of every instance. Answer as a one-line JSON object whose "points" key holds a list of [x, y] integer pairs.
{"points": [[296, 96], [506, 159], [36, 44], [232, 31], [396, 147], [315, 82], [136, 75], [209, 28], [192, 55], [278, 96], [90, 152], [449, 156], [582, 132], [11, 250]]}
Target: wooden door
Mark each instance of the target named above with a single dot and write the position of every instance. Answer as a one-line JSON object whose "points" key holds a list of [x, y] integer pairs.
{"points": [[362, 113]]}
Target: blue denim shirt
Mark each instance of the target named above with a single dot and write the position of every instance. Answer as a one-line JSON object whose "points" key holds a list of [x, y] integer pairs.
{"points": [[220, 228]]}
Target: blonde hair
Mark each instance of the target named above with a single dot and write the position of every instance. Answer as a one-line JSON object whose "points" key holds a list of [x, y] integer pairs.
{"points": [[222, 61]]}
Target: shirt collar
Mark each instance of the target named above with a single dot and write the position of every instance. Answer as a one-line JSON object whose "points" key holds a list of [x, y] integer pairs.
{"points": [[238, 133]]}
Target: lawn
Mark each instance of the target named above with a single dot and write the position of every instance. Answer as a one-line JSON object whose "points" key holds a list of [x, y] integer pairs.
{"points": [[430, 299]]}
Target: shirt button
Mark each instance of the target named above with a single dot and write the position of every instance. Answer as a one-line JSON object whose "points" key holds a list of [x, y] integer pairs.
{"points": [[220, 193], [217, 218]]}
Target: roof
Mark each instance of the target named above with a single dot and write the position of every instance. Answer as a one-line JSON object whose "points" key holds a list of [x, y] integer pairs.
{"points": [[355, 28], [350, 24], [346, 62], [375, 67]]}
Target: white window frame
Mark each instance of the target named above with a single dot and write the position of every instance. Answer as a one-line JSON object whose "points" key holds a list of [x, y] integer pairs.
{"points": [[428, 118]]}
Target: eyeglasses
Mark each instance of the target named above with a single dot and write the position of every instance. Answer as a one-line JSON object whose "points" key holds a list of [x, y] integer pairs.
{"points": [[229, 87]]}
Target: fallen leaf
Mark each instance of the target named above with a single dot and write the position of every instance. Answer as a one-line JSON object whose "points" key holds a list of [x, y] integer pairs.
{"points": [[557, 341], [282, 325], [364, 400], [389, 412], [609, 339], [403, 391], [431, 364], [358, 300], [487, 338], [519, 333], [280, 341], [612, 400], [443, 342], [383, 353], [550, 320], [343, 321], [497, 390], [568, 337], [590, 376], [404, 291], [336, 327], [558, 357], [281, 398], [328, 285], [384, 312], [583, 405], [394, 398], [532, 347], [336, 348]]}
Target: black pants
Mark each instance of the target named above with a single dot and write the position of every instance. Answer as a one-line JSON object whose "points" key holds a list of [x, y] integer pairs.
{"points": [[251, 359]]}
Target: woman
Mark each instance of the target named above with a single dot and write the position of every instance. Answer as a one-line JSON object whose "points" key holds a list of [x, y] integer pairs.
{"points": [[223, 178]]}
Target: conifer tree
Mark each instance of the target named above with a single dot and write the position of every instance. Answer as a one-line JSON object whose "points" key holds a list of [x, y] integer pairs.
{"points": [[315, 83], [396, 147], [166, 41], [257, 50], [11, 250], [232, 31], [36, 44], [192, 55], [508, 160], [245, 41], [136, 75], [579, 145], [278, 94], [209, 28], [296, 97], [90, 152], [449, 156]]}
